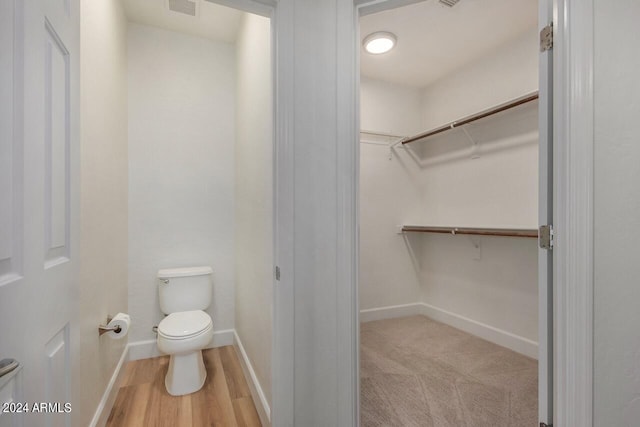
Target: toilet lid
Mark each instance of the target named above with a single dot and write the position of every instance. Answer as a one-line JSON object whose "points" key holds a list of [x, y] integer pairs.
{"points": [[184, 324]]}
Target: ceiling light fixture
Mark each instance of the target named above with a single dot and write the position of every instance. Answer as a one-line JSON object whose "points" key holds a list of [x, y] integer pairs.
{"points": [[379, 42]]}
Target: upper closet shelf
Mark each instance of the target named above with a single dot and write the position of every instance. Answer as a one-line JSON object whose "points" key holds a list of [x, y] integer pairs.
{"points": [[472, 118], [503, 232]]}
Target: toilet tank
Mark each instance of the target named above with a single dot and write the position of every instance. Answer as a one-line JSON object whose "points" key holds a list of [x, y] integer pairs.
{"points": [[184, 289]]}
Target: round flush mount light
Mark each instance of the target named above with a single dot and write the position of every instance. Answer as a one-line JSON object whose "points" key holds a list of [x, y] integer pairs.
{"points": [[379, 42]]}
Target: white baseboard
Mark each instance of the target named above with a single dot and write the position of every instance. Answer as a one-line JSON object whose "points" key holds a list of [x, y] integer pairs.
{"points": [[497, 336], [109, 396], [262, 406], [146, 349], [503, 338], [143, 350], [390, 312]]}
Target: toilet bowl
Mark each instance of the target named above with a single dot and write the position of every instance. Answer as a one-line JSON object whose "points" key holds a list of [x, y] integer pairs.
{"points": [[183, 335], [184, 293]]}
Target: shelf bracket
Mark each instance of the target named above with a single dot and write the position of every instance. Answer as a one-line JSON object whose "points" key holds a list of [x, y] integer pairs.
{"points": [[394, 145], [475, 146]]}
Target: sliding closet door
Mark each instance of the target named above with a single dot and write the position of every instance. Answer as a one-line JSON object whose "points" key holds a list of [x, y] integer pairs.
{"points": [[545, 257]]}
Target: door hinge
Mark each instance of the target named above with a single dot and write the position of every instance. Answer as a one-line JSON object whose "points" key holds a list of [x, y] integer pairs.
{"points": [[277, 273], [546, 236], [546, 38]]}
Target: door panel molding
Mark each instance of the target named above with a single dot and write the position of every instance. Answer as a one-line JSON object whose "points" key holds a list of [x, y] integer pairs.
{"points": [[58, 371], [57, 146]]}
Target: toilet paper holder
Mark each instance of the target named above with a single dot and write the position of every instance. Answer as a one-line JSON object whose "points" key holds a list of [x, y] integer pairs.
{"points": [[102, 329]]}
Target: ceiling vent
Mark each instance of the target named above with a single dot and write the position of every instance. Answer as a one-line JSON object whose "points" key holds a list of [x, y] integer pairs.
{"points": [[449, 3], [187, 7]]}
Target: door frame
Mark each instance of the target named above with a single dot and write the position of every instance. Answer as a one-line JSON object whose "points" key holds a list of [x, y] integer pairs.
{"points": [[573, 202], [281, 411], [573, 211], [573, 176]]}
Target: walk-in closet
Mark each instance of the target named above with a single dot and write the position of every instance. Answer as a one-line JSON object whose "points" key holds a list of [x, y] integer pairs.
{"points": [[449, 177]]}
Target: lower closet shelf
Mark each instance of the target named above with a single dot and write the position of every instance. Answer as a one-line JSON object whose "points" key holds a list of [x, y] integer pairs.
{"points": [[502, 232]]}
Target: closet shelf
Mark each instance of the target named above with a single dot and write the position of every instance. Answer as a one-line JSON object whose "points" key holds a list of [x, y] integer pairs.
{"points": [[472, 118], [503, 232]]}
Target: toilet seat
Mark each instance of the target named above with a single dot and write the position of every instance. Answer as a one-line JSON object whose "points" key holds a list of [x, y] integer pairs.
{"points": [[184, 325]]}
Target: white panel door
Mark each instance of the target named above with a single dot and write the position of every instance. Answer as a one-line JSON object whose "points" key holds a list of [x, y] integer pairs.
{"points": [[39, 206]]}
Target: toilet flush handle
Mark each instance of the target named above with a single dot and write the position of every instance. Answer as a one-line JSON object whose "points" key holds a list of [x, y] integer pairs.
{"points": [[165, 281]]}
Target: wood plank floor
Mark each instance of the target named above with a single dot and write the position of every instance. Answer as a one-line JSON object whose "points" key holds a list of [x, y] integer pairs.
{"points": [[417, 372], [224, 400]]}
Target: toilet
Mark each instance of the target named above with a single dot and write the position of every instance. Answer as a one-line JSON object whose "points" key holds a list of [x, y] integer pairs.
{"points": [[186, 330]]}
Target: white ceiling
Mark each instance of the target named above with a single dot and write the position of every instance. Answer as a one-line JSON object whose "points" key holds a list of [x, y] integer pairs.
{"points": [[434, 40], [212, 21]]}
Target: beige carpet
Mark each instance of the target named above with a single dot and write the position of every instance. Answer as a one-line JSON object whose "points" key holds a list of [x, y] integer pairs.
{"points": [[418, 372]]}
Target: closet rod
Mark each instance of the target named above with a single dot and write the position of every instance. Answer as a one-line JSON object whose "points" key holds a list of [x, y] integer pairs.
{"points": [[472, 118], [502, 232]]}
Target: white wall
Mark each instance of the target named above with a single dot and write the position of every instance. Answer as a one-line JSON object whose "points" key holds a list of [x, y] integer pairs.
{"points": [[181, 169], [509, 72], [103, 196], [316, 385], [497, 189], [389, 108], [500, 187], [617, 218], [391, 193], [254, 195], [495, 284]]}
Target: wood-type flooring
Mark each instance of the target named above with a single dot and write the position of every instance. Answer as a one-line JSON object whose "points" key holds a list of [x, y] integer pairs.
{"points": [[414, 372], [223, 401]]}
